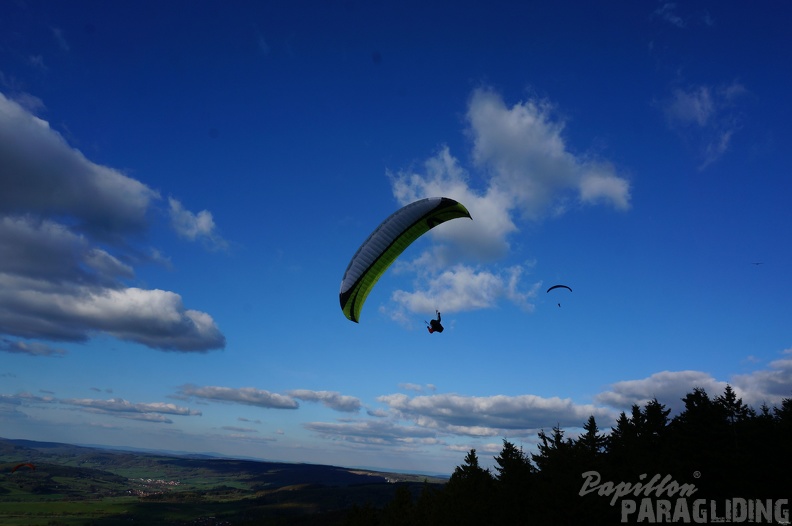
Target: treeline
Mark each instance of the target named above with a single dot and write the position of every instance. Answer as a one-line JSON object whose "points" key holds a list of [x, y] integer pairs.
{"points": [[715, 449]]}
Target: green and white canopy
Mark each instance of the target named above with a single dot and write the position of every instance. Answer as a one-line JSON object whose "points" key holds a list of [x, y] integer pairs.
{"points": [[387, 242]]}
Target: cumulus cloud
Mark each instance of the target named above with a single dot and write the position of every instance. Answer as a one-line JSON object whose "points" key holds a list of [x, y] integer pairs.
{"points": [[150, 412], [67, 227], [25, 398], [242, 395], [375, 432], [764, 386], [42, 174], [462, 288], [523, 147], [32, 308], [200, 226], [668, 387], [331, 399], [529, 173], [30, 348], [491, 415], [768, 386], [440, 418], [263, 398], [118, 407], [706, 115], [486, 236]]}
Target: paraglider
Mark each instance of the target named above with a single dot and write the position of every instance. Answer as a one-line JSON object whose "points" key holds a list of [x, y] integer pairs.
{"points": [[435, 325], [24, 464], [387, 242], [559, 287]]}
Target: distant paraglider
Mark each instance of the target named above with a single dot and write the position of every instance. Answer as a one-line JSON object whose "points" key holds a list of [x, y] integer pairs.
{"points": [[559, 287], [387, 242], [23, 465]]}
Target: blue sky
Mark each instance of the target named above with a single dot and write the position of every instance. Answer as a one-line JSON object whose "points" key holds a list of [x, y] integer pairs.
{"points": [[184, 184]]}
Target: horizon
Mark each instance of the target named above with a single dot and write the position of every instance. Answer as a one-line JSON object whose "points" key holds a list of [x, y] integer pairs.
{"points": [[184, 188], [220, 456]]}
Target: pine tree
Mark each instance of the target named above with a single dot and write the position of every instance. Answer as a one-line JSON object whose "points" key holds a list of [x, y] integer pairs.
{"points": [[592, 442], [733, 407], [470, 493]]}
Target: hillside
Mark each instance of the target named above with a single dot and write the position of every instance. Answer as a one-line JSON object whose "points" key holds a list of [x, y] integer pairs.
{"points": [[80, 485]]}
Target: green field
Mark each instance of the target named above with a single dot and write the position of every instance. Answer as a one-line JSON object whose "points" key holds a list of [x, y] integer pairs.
{"points": [[73, 485]]}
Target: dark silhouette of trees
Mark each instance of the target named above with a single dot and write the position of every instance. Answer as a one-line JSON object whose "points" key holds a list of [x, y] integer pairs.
{"points": [[514, 480], [719, 446], [469, 493]]}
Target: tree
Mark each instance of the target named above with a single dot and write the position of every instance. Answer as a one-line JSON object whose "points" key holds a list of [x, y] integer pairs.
{"points": [[513, 466], [469, 492], [639, 443], [400, 511], [591, 443], [471, 473], [513, 484], [733, 407]]}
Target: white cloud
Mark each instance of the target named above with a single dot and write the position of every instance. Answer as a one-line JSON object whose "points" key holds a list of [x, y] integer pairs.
{"points": [[119, 405], [434, 418], [529, 173], [485, 237], [68, 227], [600, 184], [29, 102], [238, 429], [30, 348], [331, 399], [667, 13], [242, 395], [491, 415], [706, 115], [462, 288], [200, 226], [42, 174], [524, 149], [377, 432], [669, 387], [768, 386], [36, 308], [262, 398], [693, 106], [528, 169]]}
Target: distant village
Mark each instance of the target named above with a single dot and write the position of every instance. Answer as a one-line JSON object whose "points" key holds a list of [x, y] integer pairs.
{"points": [[149, 484]]}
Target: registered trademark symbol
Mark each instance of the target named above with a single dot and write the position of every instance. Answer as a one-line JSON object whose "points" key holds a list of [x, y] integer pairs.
{"points": [[696, 474]]}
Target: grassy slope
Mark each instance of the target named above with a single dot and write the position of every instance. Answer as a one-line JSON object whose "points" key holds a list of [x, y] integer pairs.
{"points": [[74, 485]]}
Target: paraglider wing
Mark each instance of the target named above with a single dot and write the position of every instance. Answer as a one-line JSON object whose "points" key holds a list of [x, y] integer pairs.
{"points": [[387, 242], [24, 464], [559, 286]]}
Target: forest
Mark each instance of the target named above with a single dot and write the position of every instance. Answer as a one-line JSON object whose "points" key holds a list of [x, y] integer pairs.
{"points": [[718, 460]]}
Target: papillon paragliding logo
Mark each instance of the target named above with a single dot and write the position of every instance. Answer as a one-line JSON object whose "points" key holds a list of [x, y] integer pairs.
{"points": [[663, 500]]}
